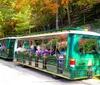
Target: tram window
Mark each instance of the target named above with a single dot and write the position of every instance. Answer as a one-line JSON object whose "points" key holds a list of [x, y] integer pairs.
{"points": [[38, 42], [20, 43], [88, 45], [53, 44], [3, 44], [59, 44], [62, 45]]}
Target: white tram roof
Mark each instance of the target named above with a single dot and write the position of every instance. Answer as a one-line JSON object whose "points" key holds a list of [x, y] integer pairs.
{"points": [[7, 38], [58, 33], [85, 33]]}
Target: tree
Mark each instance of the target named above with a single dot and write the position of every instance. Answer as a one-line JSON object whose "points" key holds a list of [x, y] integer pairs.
{"points": [[65, 4], [86, 5], [6, 14], [22, 14], [43, 13]]}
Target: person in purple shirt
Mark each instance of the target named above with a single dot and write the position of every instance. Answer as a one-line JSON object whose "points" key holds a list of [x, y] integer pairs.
{"points": [[45, 53], [3, 47]]}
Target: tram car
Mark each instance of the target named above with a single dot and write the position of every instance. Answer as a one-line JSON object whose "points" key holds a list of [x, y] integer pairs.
{"points": [[7, 47], [68, 54]]}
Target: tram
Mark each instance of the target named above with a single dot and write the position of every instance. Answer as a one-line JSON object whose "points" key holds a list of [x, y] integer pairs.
{"points": [[7, 47], [68, 54], [71, 54]]}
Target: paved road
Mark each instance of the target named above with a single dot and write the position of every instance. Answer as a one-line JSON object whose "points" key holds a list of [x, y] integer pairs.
{"points": [[12, 74]]}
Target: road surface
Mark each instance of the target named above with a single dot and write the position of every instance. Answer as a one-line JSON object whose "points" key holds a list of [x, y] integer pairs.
{"points": [[13, 74]]}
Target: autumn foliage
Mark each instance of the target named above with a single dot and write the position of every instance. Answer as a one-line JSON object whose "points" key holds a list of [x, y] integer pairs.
{"points": [[41, 14]]}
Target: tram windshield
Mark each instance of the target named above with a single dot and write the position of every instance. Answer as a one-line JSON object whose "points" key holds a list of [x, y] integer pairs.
{"points": [[88, 45]]}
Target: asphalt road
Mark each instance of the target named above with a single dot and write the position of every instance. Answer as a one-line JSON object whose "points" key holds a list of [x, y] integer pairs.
{"points": [[46, 78]]}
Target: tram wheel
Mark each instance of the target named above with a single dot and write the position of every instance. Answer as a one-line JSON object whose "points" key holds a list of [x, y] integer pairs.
{"points": [[54, 76]]}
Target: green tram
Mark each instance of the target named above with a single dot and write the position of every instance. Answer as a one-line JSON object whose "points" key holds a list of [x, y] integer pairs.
{"points": [[7, 47], [68, 54]]}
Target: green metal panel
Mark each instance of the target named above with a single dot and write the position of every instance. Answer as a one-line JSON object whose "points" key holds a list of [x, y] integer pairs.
{"points": [[52, 64], [3, 53], [82, 60], [11, 44], [19, 56], [26, 44], [68, 50]]}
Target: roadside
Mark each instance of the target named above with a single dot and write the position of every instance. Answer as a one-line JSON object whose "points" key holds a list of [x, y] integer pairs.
{"points": [[11, 74]]}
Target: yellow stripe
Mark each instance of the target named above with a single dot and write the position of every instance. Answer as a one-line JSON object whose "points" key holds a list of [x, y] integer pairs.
{"points": [[81, 78], [97, 77], [64, 30], [52, 72], [5, 57], [44, 70]]}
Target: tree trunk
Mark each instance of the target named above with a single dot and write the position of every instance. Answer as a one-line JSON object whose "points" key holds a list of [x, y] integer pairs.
{"points": [[84, 18], [68, 14], [57, 27]]}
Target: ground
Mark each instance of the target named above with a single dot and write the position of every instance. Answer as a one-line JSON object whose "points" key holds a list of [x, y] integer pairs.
{"points": [[12, 74]]}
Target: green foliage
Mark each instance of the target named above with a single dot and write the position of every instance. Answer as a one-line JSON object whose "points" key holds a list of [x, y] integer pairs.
{"points": [[23, 18], [21, 15], [96, 24], [40, 18], [86, 2], [6, 14], [89, 45]]}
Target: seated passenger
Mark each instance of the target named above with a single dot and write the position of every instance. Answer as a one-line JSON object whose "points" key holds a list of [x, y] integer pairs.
{"points": [[32, 48], [60, 63], [38, 51], [61, 57], [3, 47], [63, 52], [54, 51], [45, 52], [21, 49]]}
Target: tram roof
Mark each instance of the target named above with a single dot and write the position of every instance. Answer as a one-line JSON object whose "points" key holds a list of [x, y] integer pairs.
{"points": [[7, 38], [85, 33], [58, 33]]}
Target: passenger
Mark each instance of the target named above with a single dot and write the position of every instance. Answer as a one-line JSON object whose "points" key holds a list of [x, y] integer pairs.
{"points": [[61, 57], [54, 51], [45, 53], [24, 49], [3, 47], [63, 52], [60, 63], [32, 51], [38, 53], [19, 48]]}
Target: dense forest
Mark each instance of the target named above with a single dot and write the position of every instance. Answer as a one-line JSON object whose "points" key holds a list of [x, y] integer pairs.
{"points": [[28, 16]]}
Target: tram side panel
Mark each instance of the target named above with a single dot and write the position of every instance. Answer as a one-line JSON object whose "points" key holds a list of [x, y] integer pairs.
{"points": [[10, 50], [7, 48], [86, 57]]}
